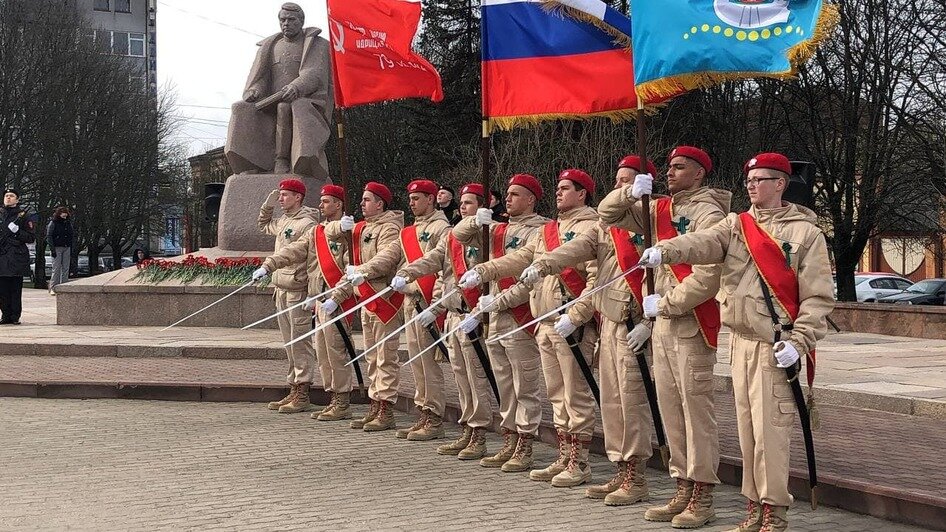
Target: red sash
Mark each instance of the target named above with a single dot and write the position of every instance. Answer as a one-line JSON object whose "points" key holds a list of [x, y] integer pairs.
{"points": [[707, 312], [385, 308], [412, 252], [329, 268], [776, 273], [628, 256], [522, 313], [573, 281], [458, 261]]}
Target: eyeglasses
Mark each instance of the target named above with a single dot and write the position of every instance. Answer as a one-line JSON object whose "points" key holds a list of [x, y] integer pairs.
{"points": [[756, 180]]}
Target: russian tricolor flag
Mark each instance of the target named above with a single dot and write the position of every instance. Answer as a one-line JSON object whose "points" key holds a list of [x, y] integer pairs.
{"points": [[540, 65]]}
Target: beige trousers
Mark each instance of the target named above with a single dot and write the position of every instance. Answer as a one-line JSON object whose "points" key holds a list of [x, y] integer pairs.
{"points": [[683, 374], [765, 414], [573, 405], [294, 324], [517, 368], [625, 412], [428, 376], [475, 408], [383, 364], [332, 356]]}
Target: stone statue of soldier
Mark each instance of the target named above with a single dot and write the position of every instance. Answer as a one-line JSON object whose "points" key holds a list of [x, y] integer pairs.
{"points": [[285, 118]]}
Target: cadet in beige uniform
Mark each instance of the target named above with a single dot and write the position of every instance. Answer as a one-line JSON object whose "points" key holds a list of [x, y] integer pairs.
{"points": [[685, 334], [329, 346], [379, 230], [452, 259], [765, 410], [429, 228], [291, 283], [515, 360], [572, 401], [625, 411]]}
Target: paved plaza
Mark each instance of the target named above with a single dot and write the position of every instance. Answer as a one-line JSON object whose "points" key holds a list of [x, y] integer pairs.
{"points": [[119, 465]]}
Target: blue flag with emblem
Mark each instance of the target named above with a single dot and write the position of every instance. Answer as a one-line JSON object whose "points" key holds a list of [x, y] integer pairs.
{"points": [[692, 44]]}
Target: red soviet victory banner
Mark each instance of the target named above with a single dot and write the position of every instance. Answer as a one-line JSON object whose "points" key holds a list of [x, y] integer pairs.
{"points": [[372, 58]]}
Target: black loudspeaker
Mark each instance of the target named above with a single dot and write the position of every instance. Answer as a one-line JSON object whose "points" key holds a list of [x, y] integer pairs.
{"points": [[801, 184], [213, 193]]}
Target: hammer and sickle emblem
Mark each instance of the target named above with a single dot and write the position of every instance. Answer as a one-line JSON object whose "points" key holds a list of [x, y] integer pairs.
{"points": [[338, 36]]}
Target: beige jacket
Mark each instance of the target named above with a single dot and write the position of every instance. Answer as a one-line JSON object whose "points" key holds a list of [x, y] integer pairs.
{"points": [[743, 305], [431, 229], [288, 228], [436, 261], [520, 231], [615, 302], [703, 208], [303, 251], [551, 293], [381, 232]]}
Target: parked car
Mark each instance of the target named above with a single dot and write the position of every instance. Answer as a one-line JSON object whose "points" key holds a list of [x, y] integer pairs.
{"points": [[927, 292], [872, 286]]}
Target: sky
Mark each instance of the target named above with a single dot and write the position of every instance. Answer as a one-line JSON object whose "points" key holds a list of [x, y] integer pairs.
{"points": [[205, 50]]}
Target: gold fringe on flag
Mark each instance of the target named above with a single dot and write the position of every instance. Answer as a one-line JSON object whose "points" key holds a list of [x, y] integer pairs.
{"points": [[507, 123], [557, 8], [670, 86]]}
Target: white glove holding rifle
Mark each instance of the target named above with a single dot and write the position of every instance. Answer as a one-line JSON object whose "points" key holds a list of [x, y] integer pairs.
{"points": [[638, 336]]}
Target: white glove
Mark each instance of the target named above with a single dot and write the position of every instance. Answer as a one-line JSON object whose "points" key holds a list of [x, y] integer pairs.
{"points": [[259, 273], [354, 276], [426, 318], [347, 223], [469, 324], [484, 216], [638, 336], [643, 185], [486, 302], [786, 354], [272, 200], [329, 306], [651, 258], [530, 275], [399, 284], [470, 279], [13, 227], [309, 304], [564, 326], [650, 305]]}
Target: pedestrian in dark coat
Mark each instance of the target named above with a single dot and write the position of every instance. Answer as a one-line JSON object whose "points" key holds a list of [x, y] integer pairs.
{"points": [[59, 239], [16, 231]]}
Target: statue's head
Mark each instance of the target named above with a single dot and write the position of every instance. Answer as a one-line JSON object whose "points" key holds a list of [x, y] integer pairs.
{"points": [[291, 19]]}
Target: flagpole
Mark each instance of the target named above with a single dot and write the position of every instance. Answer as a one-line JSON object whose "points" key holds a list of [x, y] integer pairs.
{"points": [[484, 246], [645, 199], [343, 169]]}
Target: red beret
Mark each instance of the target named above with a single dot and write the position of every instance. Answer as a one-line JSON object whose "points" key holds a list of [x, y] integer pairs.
{"points": [[773, 161], [380, 190], [633, 161], [335, 191], [579, 177], [473, 188], [696, 154], [529, 182], [423, 186], [292, 185]]}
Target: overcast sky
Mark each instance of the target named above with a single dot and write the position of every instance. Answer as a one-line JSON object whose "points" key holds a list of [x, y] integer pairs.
{"points": [[205, 49]]}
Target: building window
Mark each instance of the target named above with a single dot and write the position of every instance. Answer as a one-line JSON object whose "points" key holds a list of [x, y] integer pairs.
{"points": [[120, 43], [100, 5], [122, 6], [103, 41], [136, 44]]}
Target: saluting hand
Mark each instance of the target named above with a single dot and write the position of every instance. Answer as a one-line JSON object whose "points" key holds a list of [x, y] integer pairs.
{"points": [[272, 200]]}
